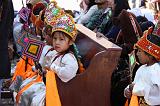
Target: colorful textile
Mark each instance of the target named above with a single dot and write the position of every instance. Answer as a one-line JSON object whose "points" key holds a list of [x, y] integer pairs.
{"points": [[24, 13], [23, 39], [52, 12], [65, 24], [33, 49]]}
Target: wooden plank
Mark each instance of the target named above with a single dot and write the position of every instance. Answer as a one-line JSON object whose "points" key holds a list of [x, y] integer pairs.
{"points": [[92, 35]]}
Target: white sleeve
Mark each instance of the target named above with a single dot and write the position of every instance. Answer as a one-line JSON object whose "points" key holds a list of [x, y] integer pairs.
{"points": [[152, 95], [44, 51], [139, 86], [69, 70], [84, 18]]}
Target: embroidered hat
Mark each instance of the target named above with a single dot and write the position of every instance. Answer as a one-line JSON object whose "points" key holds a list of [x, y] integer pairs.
{"points": [[52, 12], [59, 20], [66, 24], [24, 13], [36, 14], [150, 43]]}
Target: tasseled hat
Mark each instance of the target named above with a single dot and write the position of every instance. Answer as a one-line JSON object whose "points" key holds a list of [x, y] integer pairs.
{"points": [[60, 21], [150, 43]]}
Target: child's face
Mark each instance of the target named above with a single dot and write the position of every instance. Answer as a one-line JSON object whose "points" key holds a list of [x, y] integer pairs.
{"points": [[61, 42], [142, 56]]}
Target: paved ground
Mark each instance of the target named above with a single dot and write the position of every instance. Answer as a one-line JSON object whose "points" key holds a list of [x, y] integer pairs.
{"points": [[9, 101], [6, 102]]}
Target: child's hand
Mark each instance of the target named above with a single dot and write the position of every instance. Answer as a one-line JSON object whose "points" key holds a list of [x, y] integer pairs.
{"points": [[131, 86], [127, 93]]}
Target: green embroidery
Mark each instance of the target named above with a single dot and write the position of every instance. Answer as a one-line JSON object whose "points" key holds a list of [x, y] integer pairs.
{"points": [[55, 11], [132, 60]]}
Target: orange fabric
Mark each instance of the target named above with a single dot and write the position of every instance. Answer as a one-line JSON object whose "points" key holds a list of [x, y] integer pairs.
{"points": [[52, 96], [134, 101], [81, 68], [20, 69], [39, 79], [126, 104]]}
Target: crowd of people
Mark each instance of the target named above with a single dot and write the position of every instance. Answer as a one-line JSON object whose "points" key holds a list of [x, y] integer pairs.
{"points": [[130, 28]]}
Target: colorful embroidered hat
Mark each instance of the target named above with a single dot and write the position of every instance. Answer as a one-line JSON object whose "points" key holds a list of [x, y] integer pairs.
{"points": [[150, 43], [65, 24], [59, 20], [24, 13], [52, 12]]}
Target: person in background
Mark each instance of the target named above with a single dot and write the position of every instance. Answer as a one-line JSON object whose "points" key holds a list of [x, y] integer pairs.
{"points": [[88, 8], [119, 6], [20, 20], [100, 18], [145, 25], [146, 84], [6, 29]]}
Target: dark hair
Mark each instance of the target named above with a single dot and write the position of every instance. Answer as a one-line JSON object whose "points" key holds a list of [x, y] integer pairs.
{"points": [[141, 19], [91, 3], [119, 6], [62, 33], [145, 25]]}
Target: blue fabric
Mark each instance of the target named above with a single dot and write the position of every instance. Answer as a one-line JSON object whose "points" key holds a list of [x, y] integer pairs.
{"points": [[145, 25], [113, 32]]}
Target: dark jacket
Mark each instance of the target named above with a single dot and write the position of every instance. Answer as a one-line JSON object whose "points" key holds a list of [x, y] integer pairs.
{"points": [[6, 21]]}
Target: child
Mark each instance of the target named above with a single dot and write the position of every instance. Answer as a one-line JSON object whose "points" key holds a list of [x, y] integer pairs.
{"points": [[61, 60], [146, 84], [63, 34]]}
